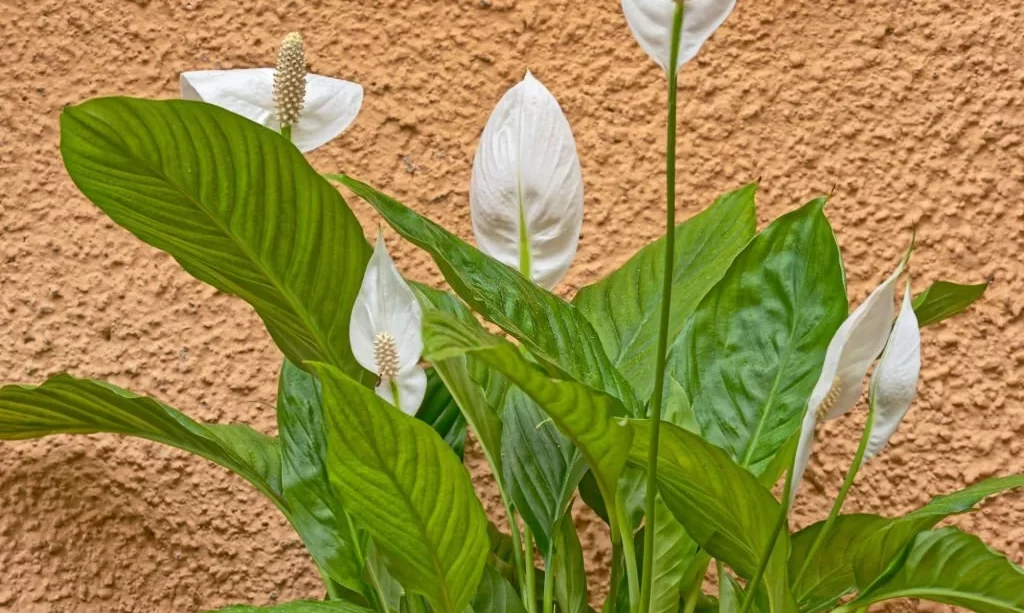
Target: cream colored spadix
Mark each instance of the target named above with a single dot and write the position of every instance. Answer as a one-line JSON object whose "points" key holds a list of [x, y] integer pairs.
{"points": [[324, 110], [894, 382], [386, 332], [526, 195], [855, 345], [651, 23]]}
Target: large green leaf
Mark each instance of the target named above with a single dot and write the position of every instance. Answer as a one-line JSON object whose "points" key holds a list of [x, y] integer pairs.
{"points": [[406, 487], [317, 513], [587, 417], [66, 405], [721, 505], [954, 568], [674, 551], [496, 595], [553, 330], [752, 350], [944, 299], [542, 467], [237, 206], [308, 606], [440, 410], [570, 575], [625, 306]]}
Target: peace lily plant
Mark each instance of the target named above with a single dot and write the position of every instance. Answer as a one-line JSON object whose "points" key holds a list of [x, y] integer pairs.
{"points": [[672, 397]]}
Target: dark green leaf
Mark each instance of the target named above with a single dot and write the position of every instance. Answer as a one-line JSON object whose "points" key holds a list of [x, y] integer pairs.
{"points": [[237, 206], [496, 595], [944, 300], [410, 492], [752, 351], [66, 405], [954, 568], [570, 575], [625, 306], [553, 330], [440, 411]]}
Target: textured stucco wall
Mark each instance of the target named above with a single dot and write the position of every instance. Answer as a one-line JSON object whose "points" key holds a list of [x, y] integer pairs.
{"points": [[913, 110]]}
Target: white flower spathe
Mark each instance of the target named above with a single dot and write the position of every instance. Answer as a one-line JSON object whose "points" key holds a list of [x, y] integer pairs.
{"points": [[330, 106], [526, 195], [894, 382], [651, 23], [386, 332], [853, 348]]}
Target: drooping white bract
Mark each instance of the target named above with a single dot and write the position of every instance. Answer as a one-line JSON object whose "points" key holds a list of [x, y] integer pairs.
{"points": [[526, 195], [853, 348], [330, 106], [386, 332], [651, 22], [894, 381]]}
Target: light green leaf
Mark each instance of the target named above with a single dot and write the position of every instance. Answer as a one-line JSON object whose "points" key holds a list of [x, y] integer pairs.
{"points": [[310, 606], [585, 416], [674, 551], [553, 330], [625, 306], [751, 353], [954, 568], [66, 405], [496, 595], [408, 490], [236, 204], [945, 299], [570, 575], [721, 505]]}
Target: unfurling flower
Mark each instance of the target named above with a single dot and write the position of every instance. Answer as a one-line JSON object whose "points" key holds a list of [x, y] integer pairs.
{"points": [[853, 348], [651, 23], [317, 108], [894, 381], [526, 195], [386, 332]]}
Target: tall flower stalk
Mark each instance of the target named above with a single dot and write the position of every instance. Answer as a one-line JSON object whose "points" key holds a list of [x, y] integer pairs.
{"points": [[666, 312]]}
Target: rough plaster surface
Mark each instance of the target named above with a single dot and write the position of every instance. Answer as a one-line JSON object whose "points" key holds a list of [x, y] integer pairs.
{"points": [[913, 111]]}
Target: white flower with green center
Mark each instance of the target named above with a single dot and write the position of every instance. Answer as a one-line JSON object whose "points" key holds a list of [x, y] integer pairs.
{"points": [[854, 347], [315, 109], [526, 195], [651, 23], [386, 332]]}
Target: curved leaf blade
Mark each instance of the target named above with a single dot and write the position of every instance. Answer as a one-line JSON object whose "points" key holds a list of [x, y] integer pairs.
{"points": [[410, 492], [236, 205], [625, 306], [751, 353], [945, 299]]}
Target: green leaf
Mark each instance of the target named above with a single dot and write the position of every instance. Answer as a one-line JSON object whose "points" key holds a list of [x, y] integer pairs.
{"points": [[954, 568], [336, 606], [751, 353], [570, 575], [317, 513], [585, 416], [440, 411], [236, 205], [66, 405], [945, 299], [542, 467], [553, 330], [721, 505], [496, 595], [674, 551], [625, 306], [406, 487]]}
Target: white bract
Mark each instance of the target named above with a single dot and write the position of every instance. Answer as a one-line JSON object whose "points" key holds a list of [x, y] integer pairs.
{"points": [[526, 195], [894, 381], [651, 23], [853, 348], [386, 332], [326, 109]]}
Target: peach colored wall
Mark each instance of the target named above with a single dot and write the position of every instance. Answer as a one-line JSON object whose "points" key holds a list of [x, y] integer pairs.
{"points": [[912, 110]]}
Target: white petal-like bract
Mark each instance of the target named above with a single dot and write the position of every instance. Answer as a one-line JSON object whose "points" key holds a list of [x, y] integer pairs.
{"points": [[651, 23], [894, 381], [330, 107], [386, 331], [527, 184]]}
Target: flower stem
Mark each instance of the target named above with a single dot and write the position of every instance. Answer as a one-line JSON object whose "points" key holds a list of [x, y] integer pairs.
{"points": [[666, 310], [629, 558], [286, 131], [530, 597], [766, 555], [549, 581], [851, 474]]}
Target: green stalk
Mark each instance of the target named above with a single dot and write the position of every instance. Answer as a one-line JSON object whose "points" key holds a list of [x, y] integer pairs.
{"points": [[286, 131], [517, 544], [530, 597], [616, 577], [549, 581], [629, 554], [666, 310], [381, 602], [780, 523], [851, 474]]}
